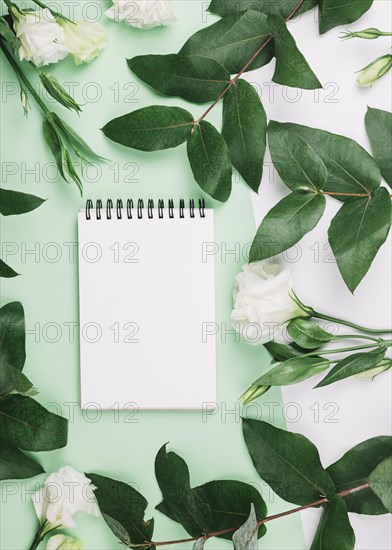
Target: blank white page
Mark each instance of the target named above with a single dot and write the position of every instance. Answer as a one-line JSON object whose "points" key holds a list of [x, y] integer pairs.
{"points": [[146, 296]]}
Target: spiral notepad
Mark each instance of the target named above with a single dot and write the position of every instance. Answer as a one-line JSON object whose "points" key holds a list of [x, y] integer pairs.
{"points": [[147, 305]]}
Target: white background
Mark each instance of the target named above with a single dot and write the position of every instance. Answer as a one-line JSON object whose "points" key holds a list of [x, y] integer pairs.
{"points": [[362, 408]]}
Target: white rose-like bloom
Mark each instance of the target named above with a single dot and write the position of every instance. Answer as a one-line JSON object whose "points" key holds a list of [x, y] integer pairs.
{"points": [[263, 301], [144, 14], [41, 37], [84, 40], [63, 542], [65, 493]]}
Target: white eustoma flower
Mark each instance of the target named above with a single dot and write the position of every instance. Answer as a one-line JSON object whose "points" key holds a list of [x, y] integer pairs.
{"points": [[144, 14], [64, 493], [84, 40], [41, 37], [263, 302], [63, 542]]}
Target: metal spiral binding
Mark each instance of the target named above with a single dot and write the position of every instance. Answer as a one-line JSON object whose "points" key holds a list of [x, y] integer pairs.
{"points": [[138, 211]]}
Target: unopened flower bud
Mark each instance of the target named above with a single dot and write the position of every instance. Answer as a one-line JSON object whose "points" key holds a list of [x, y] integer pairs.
{"points": [[367, 34], [253, 393], [63, 542], [382, 366], [375, 70], [55, 89], [24, 98]]}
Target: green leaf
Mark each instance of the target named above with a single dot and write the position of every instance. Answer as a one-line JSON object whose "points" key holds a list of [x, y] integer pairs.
{"points": [[334, 529], [380, 482], [333, 13], [270, 7], [231, 501], [7, 33], [6, 271], [307, 334], [352, 364], [13, 335], [56, 90], [7, 382], [233, 40], [288, 462], [16, 465], [195, 78], [357, 232], [350, 169], [14, 202], [296, 162], [183, 505], [70, 168], [293, 371], [245, 538], [28, 425], [123, 509], [56, 145], [228, 500], [151, 128], [244, 130], [12, 379], [210, 161], [23, 384], [379, 129], [291, 67], [354, 468], [81, 148], [281, 352], [286, 223]]}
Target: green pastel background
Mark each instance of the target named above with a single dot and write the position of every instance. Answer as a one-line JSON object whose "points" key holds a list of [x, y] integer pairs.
{"points": [[116, 445]]}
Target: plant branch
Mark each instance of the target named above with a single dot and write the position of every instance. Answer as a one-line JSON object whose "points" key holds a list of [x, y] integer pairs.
{"points": [[9, 4], [36, 542], [44, 529], [260, 522], [319, 315], [382, 343], [40, 4], [20, 74], [339, 337], [7, 392], [338, 194], [52, 11], [247, 64]]}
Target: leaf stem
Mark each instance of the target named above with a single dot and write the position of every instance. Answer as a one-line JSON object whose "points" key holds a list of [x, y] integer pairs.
{"points": [[44, 529], [8, 392], [20, 74], [52, 11], [319, 502], [37, 539], [352, 336], [382, 343], [319, 315], [9, 4], [40, 4], [338, 194], [247, 64]]}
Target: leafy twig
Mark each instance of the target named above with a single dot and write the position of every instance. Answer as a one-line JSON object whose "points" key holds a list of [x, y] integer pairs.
{"points": [[20, 74], [325, 317], [315, 504], [247, 64]]}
